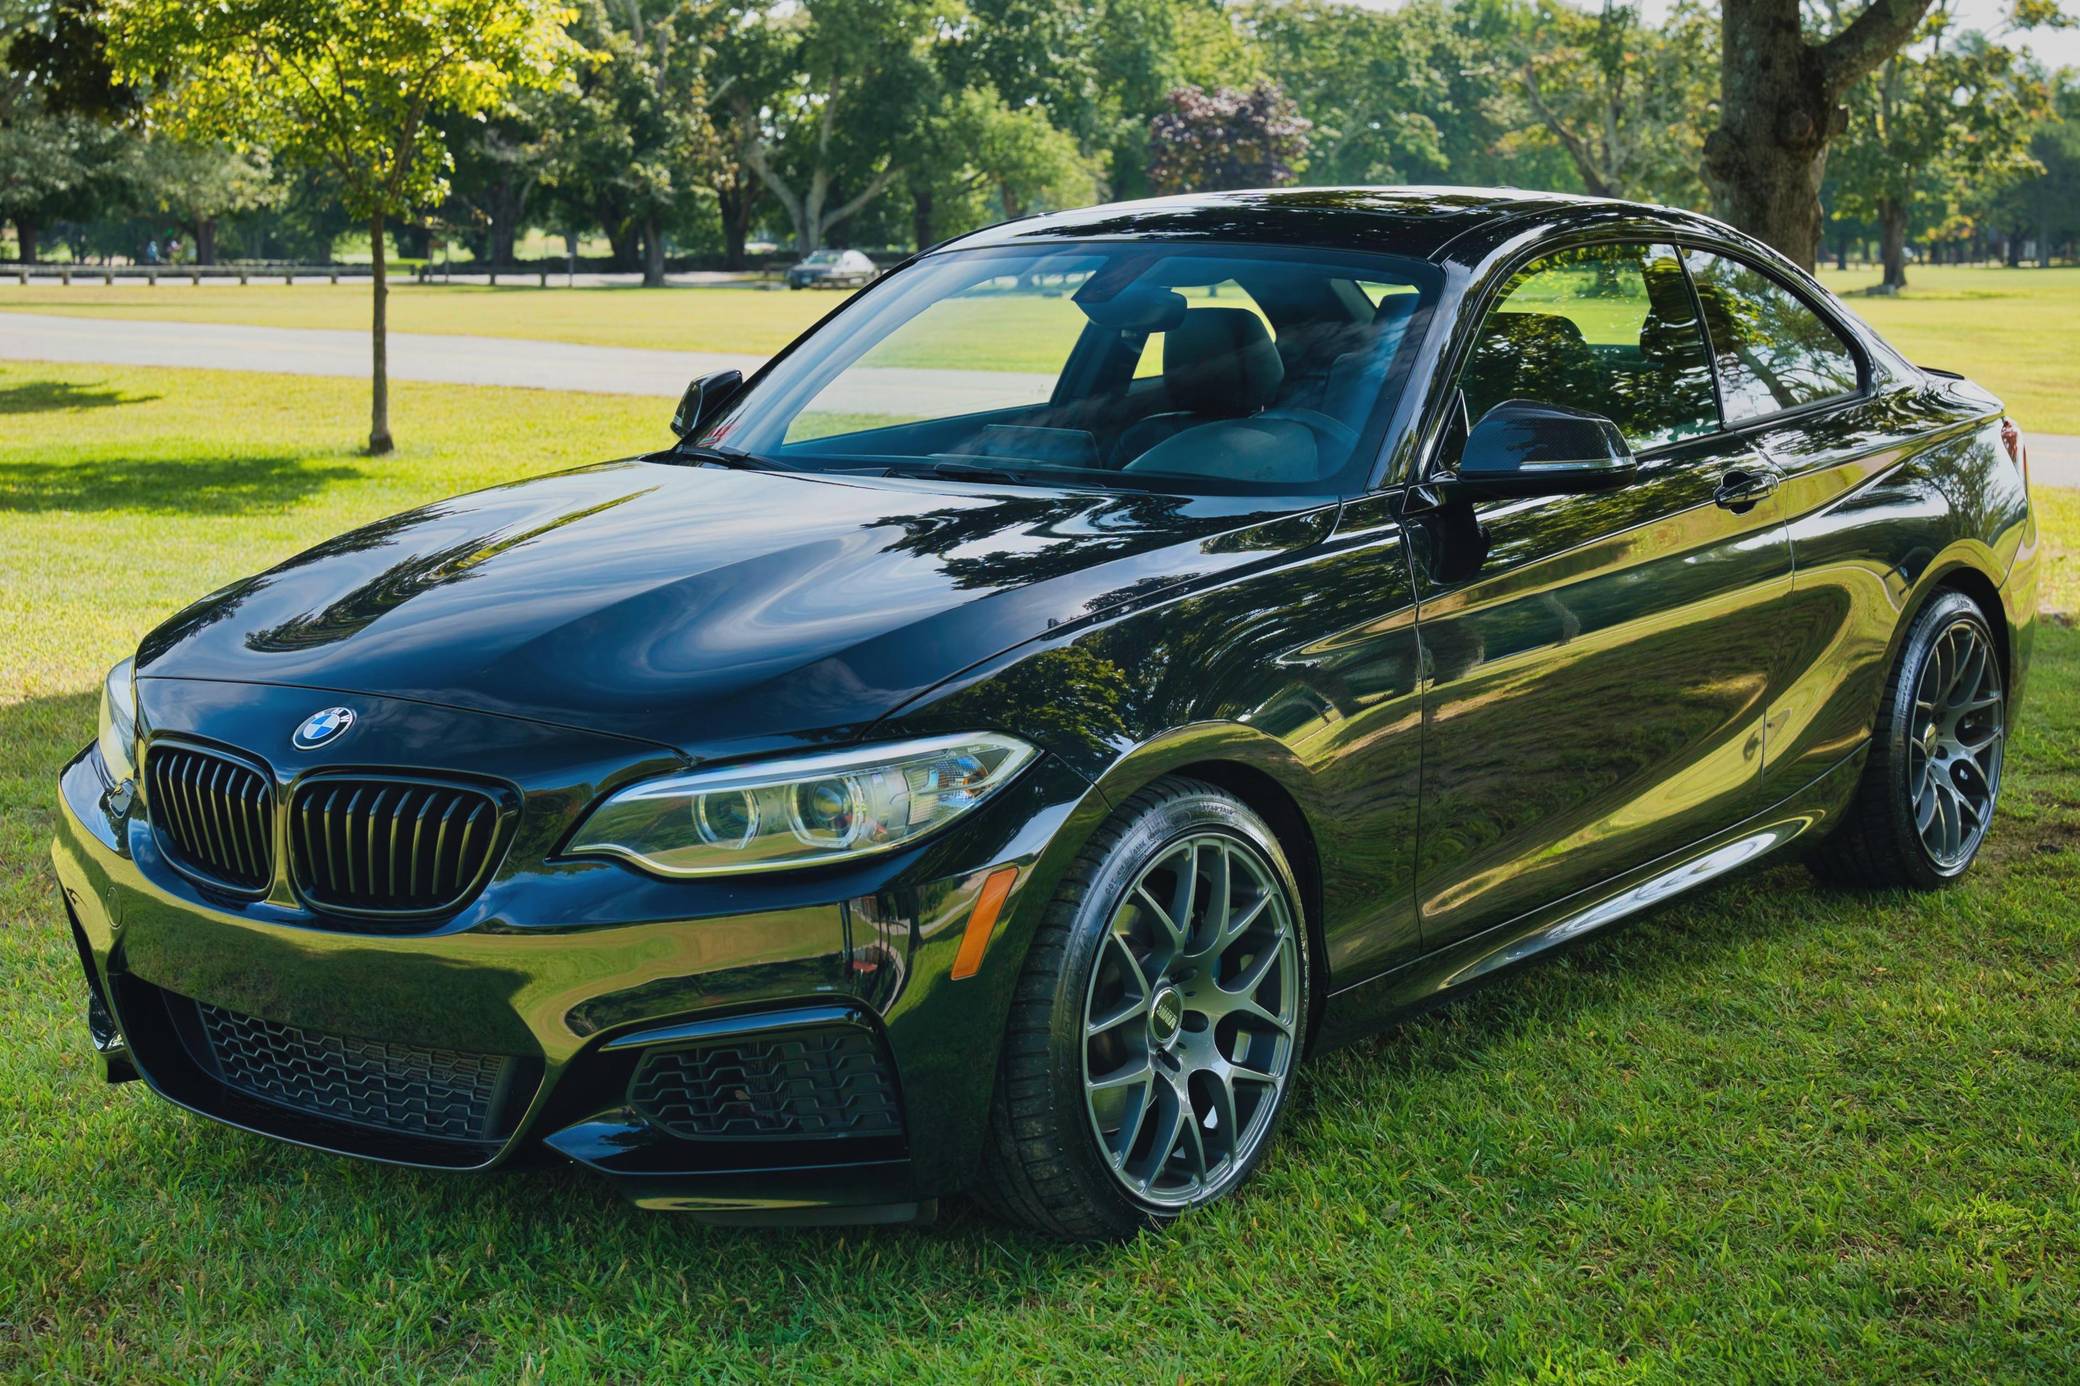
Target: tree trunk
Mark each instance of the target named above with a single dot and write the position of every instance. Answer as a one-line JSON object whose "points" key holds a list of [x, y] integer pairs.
{"points": [[621, 241], [653, 255], [1779, 105], [733, 199], [1892, 234], [25, 235], [379, 440], [1765, 161], [921, 217], [205, 240]]}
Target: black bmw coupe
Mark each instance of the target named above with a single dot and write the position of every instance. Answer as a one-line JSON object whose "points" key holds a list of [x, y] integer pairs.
{"points": [[1111, 658]]}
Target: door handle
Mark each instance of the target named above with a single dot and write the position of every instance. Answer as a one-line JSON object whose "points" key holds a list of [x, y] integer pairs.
{"points": [[1743, 488]]}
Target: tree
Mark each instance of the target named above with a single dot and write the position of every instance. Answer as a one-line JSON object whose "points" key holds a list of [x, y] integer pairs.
{"points": [[1780, 104], [1622, 98], [198, 185], [981, 160], [60, 104], [1944, 124], [856, 85], [1227, 139], [349, 86]]}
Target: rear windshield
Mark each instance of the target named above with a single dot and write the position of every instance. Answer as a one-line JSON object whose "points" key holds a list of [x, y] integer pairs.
{"points": [[1154, 366]]}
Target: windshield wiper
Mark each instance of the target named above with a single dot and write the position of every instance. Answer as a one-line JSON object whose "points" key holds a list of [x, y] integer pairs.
{"points": [[722, 457]]}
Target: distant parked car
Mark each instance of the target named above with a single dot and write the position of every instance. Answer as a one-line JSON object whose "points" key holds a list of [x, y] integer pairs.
{"points": [[832, 269]]}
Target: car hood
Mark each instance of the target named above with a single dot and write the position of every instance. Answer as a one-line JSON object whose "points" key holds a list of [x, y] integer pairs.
{"points": [[712, 610]]}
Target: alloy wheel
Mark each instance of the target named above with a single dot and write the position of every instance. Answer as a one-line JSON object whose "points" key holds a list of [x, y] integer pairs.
{"points": [[1954, 744], [1191, 1019]]}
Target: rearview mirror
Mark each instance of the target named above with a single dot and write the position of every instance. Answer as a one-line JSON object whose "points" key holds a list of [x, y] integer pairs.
{"points": [[702, 398], [1524, 448]]}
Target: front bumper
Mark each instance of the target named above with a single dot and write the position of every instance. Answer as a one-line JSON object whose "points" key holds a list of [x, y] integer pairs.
{"points": [[524, 1022]]}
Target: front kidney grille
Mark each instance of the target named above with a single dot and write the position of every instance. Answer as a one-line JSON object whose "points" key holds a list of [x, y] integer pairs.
{"points": [[811, 1084], [393, 1087], [390, 846], [213, 815]]}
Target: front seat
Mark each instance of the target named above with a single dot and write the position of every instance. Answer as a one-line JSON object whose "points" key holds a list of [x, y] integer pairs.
{"points": [[1218, 363]]}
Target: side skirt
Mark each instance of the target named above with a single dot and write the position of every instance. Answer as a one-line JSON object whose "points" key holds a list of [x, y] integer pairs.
{"points": [[1371, 1005]]}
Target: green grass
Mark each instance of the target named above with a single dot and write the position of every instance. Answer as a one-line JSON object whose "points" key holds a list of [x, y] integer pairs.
{"points": [[1770, 1133], [2015, 331]]}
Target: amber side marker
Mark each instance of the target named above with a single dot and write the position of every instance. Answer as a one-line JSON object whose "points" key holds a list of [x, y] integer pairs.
{"points": [[989, 903]]}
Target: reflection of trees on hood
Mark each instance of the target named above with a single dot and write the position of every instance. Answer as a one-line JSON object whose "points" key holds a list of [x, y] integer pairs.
{"points": [[399, 584]]}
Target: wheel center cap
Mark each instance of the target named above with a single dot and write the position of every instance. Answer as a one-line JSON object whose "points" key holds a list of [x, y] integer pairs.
{"points": [[1166, 1017], [1928, 739]]}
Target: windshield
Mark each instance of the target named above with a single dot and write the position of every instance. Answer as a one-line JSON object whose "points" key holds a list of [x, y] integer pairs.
{"points": [[822, 257], [1170, 367]]}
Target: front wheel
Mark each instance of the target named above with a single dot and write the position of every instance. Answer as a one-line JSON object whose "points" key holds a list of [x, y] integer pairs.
{"points": [[1157, 1022], [1929, 789]]}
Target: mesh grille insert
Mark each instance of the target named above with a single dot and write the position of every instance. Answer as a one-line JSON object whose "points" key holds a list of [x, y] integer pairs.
{"points": [[810, 1084], [213, 815], [390, 846], [394, 1087]]}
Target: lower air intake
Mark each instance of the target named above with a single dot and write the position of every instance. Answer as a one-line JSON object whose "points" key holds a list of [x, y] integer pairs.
{"points": [[812, 1084], [391, 1087]]}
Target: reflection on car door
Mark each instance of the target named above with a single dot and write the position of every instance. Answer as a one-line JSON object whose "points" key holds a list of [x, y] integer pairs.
{"points": [[1597, 686]]}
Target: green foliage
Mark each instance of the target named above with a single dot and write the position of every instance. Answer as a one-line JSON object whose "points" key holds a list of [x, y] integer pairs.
{"points": [[1937, 128], [345, 85], [1624, 99]]}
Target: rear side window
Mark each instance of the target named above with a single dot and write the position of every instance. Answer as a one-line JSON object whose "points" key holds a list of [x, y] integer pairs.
{"points": [[1773, 352], [1607, 328]]}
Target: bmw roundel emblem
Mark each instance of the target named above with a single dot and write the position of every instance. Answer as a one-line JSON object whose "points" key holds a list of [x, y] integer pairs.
{"points": [[321, 727]]}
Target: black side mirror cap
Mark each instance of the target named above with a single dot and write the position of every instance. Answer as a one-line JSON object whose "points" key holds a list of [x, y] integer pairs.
{"points": [[703, 397], [1524, 447]]}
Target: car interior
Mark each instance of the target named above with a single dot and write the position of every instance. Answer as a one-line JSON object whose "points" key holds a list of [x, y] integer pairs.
{"points": [[1255, 372]]}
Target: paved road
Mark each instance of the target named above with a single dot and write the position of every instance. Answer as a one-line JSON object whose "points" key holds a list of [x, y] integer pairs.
{"points": [[914, 391], [2054, 460]]}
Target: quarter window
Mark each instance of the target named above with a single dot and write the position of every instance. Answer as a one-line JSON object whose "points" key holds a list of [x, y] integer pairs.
{"points": [[1773, 352], [1607, 328]]}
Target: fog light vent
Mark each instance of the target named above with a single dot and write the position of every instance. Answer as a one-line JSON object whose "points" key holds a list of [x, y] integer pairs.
{"points": [[827, 1083]]}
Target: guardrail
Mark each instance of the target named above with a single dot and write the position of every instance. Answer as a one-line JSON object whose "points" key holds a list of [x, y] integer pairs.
{"points": [[193, 274]]}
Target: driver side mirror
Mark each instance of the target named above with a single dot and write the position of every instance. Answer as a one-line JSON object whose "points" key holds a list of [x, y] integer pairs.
{"points": [[703, 397], [1525, 448]]}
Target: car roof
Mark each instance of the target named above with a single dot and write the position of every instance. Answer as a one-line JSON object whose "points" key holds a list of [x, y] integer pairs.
{"points": [[1418, 222]]}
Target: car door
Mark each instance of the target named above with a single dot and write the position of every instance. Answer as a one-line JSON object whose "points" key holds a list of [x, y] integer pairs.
{"points": [[1863, 504], [1597, 665]]}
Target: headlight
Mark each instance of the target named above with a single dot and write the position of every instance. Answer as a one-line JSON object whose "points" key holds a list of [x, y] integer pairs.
{"points": [[118, 739], [803, 811]]}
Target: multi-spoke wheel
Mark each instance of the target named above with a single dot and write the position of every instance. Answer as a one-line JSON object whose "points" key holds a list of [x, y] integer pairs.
{"points": [[1934, 775], [1158, 1021], [1190, 1017]]}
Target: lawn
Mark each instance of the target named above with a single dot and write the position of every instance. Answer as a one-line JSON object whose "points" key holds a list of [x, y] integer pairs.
{"points": [[1772, 1132], [2023, 325]]}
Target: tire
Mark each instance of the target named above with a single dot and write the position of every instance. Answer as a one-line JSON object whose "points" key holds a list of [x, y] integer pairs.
{"points": [[1118, 1021], [1926, 799]]}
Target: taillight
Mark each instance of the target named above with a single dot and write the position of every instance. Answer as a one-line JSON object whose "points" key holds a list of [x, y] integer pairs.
{"points": [[2018, 451]]}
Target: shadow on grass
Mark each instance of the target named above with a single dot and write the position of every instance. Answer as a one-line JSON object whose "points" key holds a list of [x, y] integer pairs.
{"points": [[50, 396], [210, 486]]}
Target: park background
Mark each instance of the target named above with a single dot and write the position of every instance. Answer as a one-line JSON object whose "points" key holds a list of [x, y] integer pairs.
{"points": [[1774, 1132]]}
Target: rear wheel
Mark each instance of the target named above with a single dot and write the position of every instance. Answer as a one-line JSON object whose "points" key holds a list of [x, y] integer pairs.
{"points": [[1157, 1022], [1929, 790]]}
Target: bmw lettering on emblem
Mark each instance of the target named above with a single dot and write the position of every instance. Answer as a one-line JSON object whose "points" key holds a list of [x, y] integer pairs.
{"points": [[321, 727]]}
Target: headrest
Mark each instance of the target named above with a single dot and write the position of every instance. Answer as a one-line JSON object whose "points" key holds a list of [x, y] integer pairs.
{"points": [[1221, 361]]}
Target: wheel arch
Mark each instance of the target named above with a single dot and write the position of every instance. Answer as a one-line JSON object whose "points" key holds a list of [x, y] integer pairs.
{"points": [[1269, 779]]}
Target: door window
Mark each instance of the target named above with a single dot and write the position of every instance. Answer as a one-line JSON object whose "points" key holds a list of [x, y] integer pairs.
{"points": [[1774, 353], [1607, 328]]}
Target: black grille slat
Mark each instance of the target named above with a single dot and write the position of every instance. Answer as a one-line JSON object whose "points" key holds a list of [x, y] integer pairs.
{"points": [[391, 846], [830, 1083], [213, 815], [404, 1088]]}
